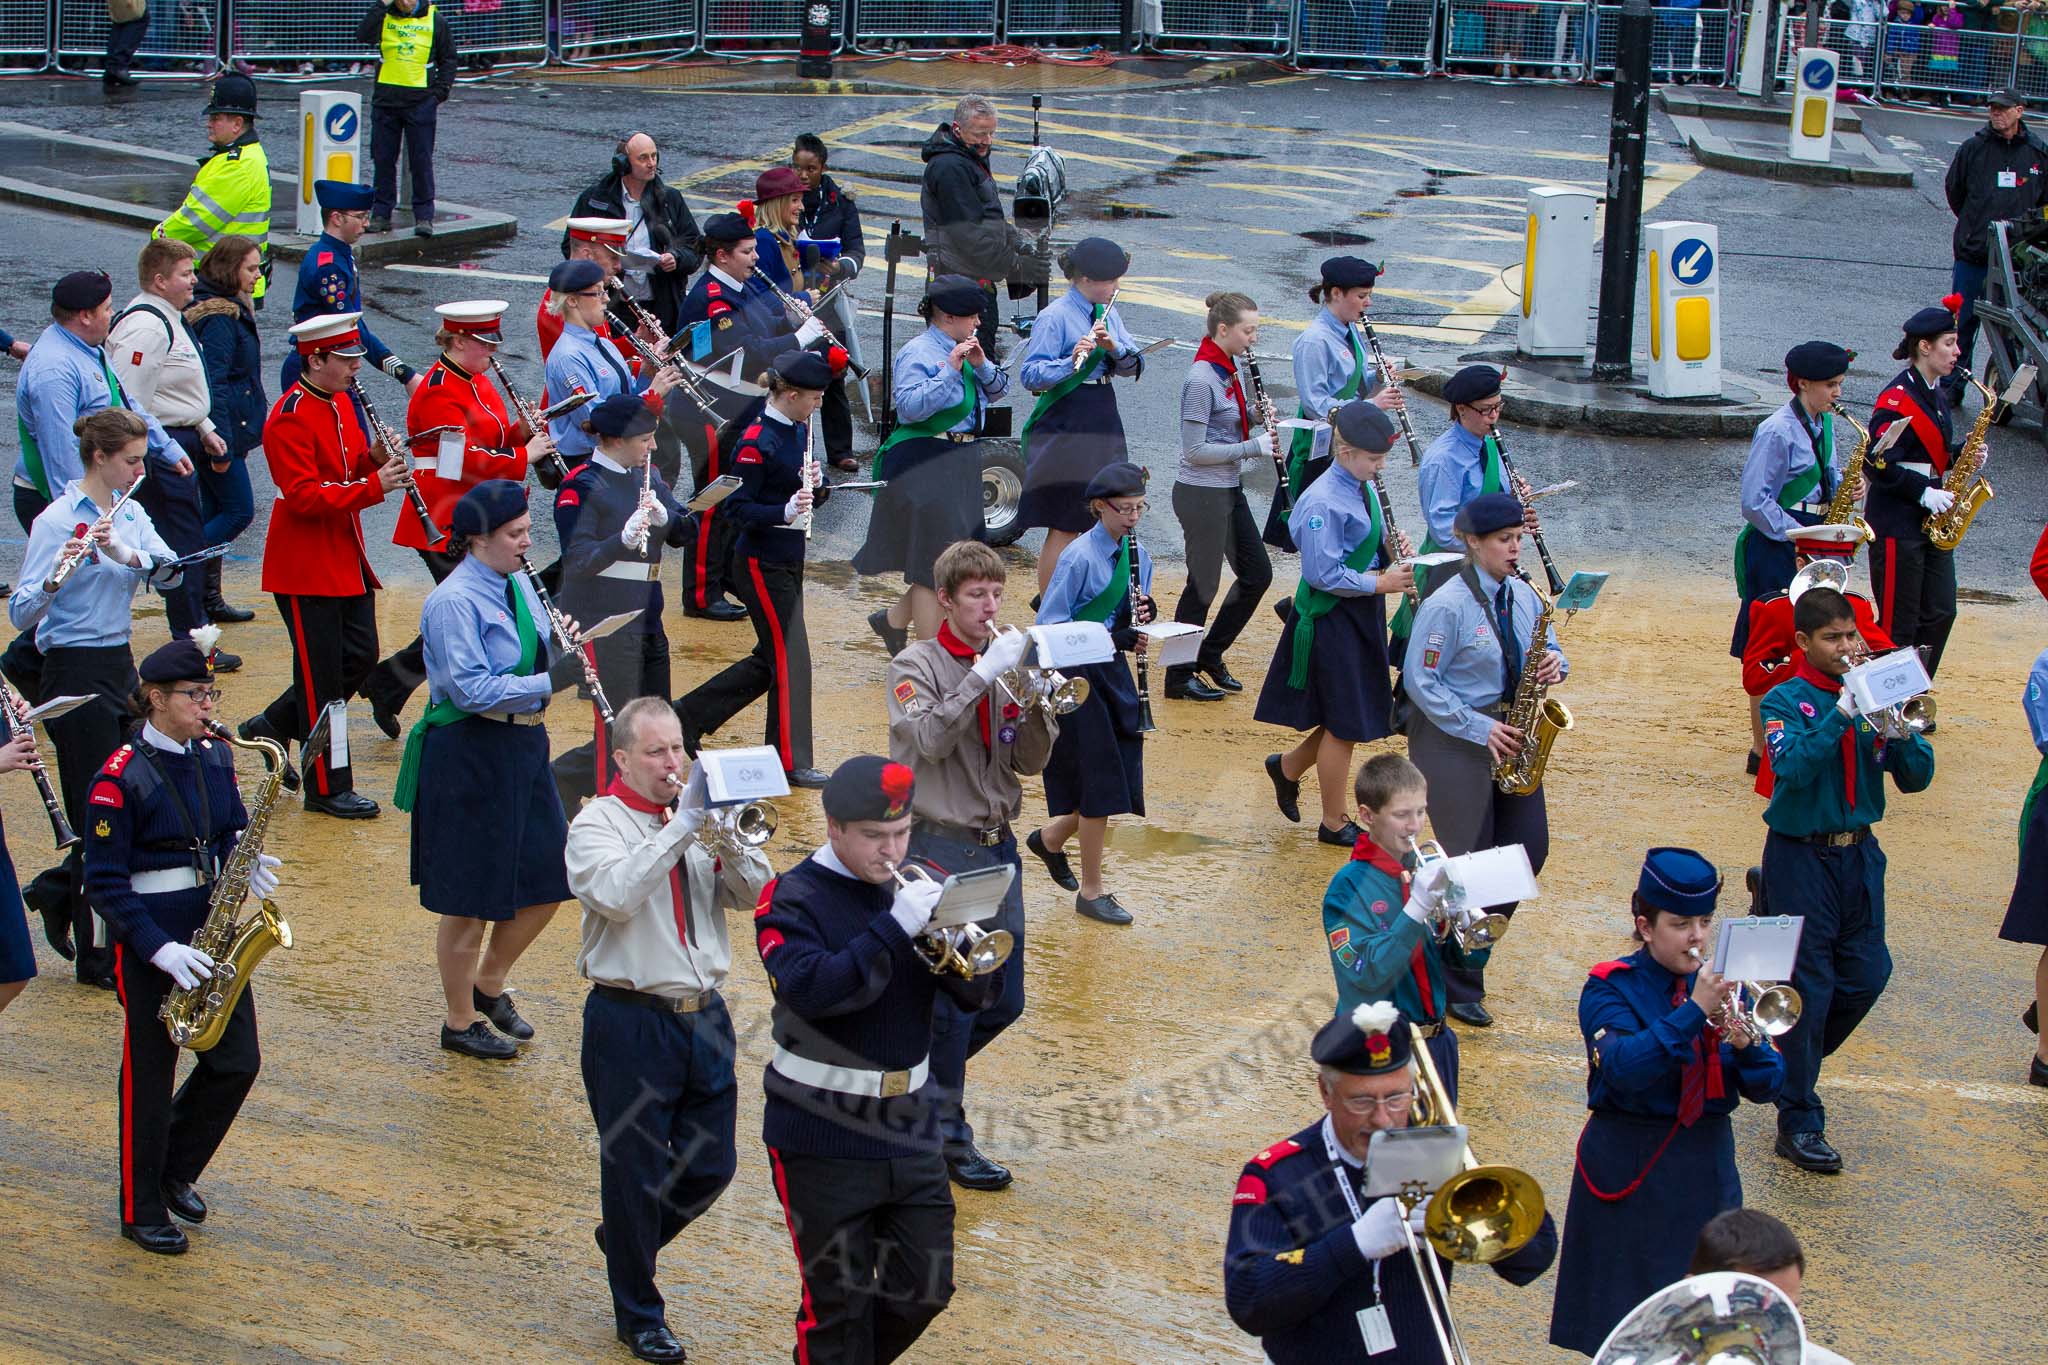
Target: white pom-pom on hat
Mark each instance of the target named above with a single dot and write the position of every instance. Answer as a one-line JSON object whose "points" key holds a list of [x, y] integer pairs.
{"points": [[1377, 1017], [207, 637]]}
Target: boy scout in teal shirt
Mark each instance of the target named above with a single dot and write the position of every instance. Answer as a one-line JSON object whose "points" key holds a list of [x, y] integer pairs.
{"points": [[1376, 923]]}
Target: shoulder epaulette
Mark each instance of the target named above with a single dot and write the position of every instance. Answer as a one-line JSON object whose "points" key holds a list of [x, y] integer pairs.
{"points": [[1276, 1154], [1601, 971]]}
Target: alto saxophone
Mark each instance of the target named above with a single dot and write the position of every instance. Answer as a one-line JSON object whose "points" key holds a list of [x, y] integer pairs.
{"points": [[196, 1017], [1842, 507], [1971, 490], [1540, 718]]}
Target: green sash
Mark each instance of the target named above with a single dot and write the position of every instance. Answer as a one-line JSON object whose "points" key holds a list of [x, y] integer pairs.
{"points": [[1790, 496], [1105, 603], [937, 424], [2033, 794], [1492, 478], [1311, 604], [32, 454], [1060, 390], [1304, 442], [445, 712]]}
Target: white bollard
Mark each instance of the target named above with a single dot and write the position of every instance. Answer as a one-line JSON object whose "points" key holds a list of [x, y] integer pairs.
{"points": [[1557, 272], [330, 147], [1685, 309]]}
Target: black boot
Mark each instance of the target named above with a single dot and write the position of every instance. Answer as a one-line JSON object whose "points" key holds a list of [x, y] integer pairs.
{"points": [[218, 609]]}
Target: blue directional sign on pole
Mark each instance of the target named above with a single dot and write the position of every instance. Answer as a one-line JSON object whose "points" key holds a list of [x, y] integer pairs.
{"points": [[1818, 74], [341, 123], [1693, 262]]}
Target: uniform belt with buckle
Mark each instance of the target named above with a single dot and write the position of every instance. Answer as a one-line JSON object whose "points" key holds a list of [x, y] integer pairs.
{"points": [[1815, 507], [689, 1003], [850, 1080], [1834, 838], [514, 717], [965, 834], [959, 438], [632, 570], [163, 879]]}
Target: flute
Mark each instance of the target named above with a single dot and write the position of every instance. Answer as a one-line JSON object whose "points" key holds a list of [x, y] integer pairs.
{"points": [[1102, 322], [1261, 400], [568, 639], [68, 565], [396, 449], [1386, 369], [17, 715]]}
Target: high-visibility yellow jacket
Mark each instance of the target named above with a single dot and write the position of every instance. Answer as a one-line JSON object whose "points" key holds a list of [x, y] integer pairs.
{"points": [[231, 193]]}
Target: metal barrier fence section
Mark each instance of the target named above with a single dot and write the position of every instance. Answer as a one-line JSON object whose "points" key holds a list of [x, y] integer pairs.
{"points": [[1074, 21], [646, 26], [24, 32], [1954, 62], [285, 31], [754, 25], [182, 34], [1206, 28], [2032, 76], [492, 28], [1390, 33], [1684, 41], [1500, 35], [921, 23]]}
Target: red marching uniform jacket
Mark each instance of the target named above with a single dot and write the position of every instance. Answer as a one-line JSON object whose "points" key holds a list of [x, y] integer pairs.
{"points": [[1767, 659], [325, 475], [492, 439]]}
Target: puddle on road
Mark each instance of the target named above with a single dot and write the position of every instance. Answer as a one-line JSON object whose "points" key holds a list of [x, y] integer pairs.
{"points": [[1146, 839], [1986, 597], [1335, 237], [1114, 210]]}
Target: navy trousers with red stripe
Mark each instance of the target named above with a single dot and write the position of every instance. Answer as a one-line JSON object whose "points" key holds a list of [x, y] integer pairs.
{"points": [[166, 1136], [334, 647], [707, 560], [1915, 587], [630, 664], [874, 1245], [779, 667]]}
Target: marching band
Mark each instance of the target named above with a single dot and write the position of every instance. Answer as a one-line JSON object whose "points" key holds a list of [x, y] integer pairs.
{"points": [[877, 1009]]}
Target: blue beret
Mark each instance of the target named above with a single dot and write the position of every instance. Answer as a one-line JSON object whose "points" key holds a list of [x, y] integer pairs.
{"points": [[1119, 480], [869, 788], [804, 369], [178, 661], [725, 228], [1349, 272], [1487, 513], [1928, 322], [956, 294], [486, 507], [1097, 258], [1364, 426], [1364, 1051], [573, 277], [622, 414], [1679, 881], [1473, 384], [82, 289], [342, 196], [1818, 360]]}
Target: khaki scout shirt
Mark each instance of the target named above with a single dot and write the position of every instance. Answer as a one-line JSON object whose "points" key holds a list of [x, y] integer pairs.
{"points": [[934, 729]]}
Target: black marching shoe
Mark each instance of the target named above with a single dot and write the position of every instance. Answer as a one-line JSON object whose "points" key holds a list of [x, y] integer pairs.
{"points": [[478, 1041], [180, 1198], [653, 1343], [1056, 864], [218, 609], [342, 805], [892, 639], [1471, 1012], [971, 1170], [1220, 675], [224, 662], [1189, 686], [504, 1018], [1753, 882], [1105, 907], [1754, 762], [165, 1239], [46, 894], [1344, 836], [724, 609], [1809, 1152], [812, 778], [1286, 790], [2032, 1018], [2037, 1074]]}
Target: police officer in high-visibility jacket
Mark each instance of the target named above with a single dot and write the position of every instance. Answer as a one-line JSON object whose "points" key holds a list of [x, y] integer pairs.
{"points": [[415, 76], [231, 193]]}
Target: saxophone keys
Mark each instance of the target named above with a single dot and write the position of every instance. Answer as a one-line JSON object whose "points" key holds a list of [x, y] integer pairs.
{"points": [[213, 1002]]}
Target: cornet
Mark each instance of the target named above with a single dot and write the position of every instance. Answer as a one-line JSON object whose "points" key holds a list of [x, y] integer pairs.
{"points": [[1027, 685], [966, 950], [733, 831], [1765, 1011], [1901, 720], [1474, 934]]}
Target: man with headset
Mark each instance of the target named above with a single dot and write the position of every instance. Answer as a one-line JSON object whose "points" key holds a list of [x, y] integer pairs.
{"points": [[662, 247]]}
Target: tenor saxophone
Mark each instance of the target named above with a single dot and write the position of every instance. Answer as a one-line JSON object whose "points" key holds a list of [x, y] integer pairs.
{"points": [[1540, 718], [1972, 490], [1842, 507], [196, 1017]]}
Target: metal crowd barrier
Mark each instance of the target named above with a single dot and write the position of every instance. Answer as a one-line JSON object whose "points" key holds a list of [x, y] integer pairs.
{"points": [[1855, 45], [754, 26], [1490, 35], [593, 29], [182, 39], [507, 28], [1684, 41], [1211, 28], [25, 34], [1061, 23], [880, 24], [1391, 34]]}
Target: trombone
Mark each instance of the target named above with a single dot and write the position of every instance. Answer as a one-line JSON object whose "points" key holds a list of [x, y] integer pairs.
{"points": [[1474, 933], [966, 950], [1478, 1216], [1028, 685]]}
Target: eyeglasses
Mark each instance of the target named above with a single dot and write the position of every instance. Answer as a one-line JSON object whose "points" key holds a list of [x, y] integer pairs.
{"points": [[1487, 409], [1364, 1105], [1128, 509], [199, 694]]}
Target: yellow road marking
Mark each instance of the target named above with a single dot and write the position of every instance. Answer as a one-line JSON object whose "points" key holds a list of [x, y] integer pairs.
{"points": [[758, 164]]}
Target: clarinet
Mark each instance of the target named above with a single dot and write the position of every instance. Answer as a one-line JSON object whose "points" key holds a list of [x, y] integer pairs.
{"points": [[805, 313], [1395, 535], [397, 448], [561, 630], [1104, 320], [655, 361], [1386, 369], [1521, 487], [1145, 725], [17, 716], [528, 416], [1282, 499]]}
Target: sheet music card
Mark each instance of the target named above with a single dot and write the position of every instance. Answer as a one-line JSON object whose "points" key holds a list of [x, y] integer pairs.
{"points": [[748, 774], [1758, 947]]}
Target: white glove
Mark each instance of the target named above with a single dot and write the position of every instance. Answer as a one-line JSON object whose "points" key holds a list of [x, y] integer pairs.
{"points": [[798, 504], [690, 814], [263, 877], [183, 963], [1937, 500], [1426, 891], [657, 512], [1004, 653], [1265, 443], [634, 532], [1377, 1231], [809, 332], [121, 552], [1845, 703], [912, 908]]}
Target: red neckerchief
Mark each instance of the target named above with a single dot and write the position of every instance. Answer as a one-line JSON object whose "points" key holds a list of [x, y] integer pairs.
{"points": [[958, 648], [1806, 672], [1213, 353], [679, 902], [1372, 855], [1701, 1080], [1925, 429]]}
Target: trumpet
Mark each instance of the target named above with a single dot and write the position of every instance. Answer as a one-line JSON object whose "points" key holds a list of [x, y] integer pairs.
{"points": [[966, 950], [1475, 933], [1900, 720], [71, 559], [1772, 1013], [1027, 685], [735, 830]]}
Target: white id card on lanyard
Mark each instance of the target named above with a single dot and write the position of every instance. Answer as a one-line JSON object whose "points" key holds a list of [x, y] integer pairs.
{"points": [[449, 452], [1373, 1327], [337, 734]]}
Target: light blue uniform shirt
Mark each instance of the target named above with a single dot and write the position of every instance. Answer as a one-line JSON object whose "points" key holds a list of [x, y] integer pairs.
{"points": [[584, 360], [1452, 473], [1084, 570], [95, 607], [1322, 367], [61, 381], [1453, 666], [472, 642], [1328, 522], [1781, 450], [926, 381], [2036, 701], [1049, 358]]}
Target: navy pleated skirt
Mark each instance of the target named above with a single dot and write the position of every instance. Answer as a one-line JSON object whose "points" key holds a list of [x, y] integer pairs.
{"points": [[1098, 762], [17, 952], [2026, 915], [1350, 692], [487, 830], [1066, 448], [933, 499]]}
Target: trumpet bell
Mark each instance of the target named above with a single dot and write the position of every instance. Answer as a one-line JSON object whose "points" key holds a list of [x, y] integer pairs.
{"points": [[1820, 573], [987, 950], [1917, 714], [755, 824], [1776, 1010], [1067, 696], [1483, 1214], [1484, 933]]}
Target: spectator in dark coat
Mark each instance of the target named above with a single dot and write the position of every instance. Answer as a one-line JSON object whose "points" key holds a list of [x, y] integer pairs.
{"points": [[222, 320], [965, 232], [664, 238], [1995, 175]]}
